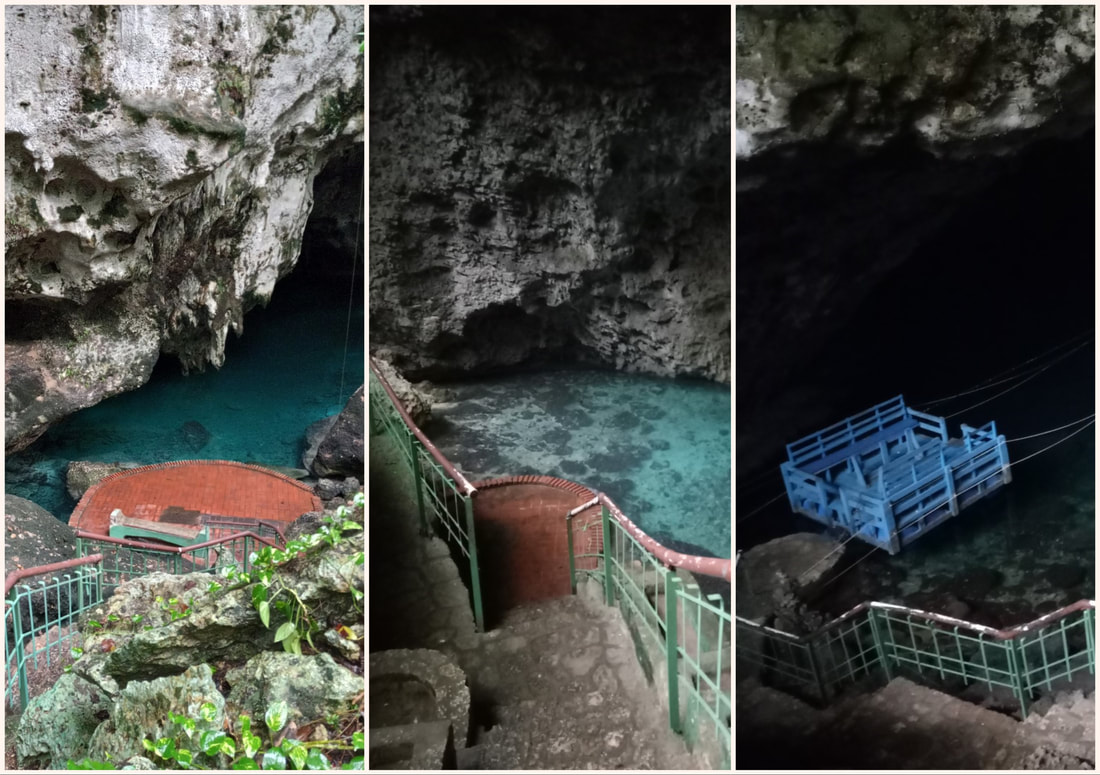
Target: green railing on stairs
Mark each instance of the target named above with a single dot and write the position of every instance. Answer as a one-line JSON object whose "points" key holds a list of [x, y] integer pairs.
{"points": [[42, 604], [692, 630], [441, 490], [880, 641]]}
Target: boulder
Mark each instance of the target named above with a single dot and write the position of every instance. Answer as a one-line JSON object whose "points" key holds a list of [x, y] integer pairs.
{"points": [[795, 564], [340, 452], [315, 434], [417, 402], [141, 711], [82, 474], [34, 536], [58, 724], [313, 686]]}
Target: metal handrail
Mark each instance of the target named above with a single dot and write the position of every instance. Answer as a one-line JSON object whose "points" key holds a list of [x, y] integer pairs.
{"points": [[992, 632], [448, 467], [166, 549], [16, 576]]}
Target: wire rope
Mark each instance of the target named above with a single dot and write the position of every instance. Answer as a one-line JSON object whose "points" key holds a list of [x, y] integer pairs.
{"points": [[351, 292]]}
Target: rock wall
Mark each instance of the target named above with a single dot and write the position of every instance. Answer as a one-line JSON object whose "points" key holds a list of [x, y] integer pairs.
{"points": [[861, 131], [160, 165], [550, 183]]}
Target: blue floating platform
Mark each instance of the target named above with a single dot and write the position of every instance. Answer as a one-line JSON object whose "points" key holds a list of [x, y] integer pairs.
{"points": [[890, 474]]}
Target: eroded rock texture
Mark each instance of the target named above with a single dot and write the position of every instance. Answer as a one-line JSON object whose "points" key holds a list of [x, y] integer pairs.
{"points": [[160, 165], [550, 183], [862, 133]]}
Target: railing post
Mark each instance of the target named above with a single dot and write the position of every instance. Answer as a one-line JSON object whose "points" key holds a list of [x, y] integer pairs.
{"points": [[608, 589], [815, 668], [880, 643], [417, 483], [1014, 665], [1090, 638], [20, 653], [672, 645], [475, 575], [572, 564]]}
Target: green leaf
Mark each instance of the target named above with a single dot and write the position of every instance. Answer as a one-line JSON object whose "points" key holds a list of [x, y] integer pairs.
{"points": [[315, 760], [165, 748], [251, 744], [207, 712], [247, 763], [148, 744], [354, 764], [275, 718], [88, 763], [295, 752], [213, 587], [273, 760], [94, 624], [136, 618], [286, 629], [183, 756], [76, 652], [113, 617], [293, 644], [357, 741], [265, 612]]}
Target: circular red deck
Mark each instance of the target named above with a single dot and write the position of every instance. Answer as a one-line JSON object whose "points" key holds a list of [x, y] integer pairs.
{"points": [[211, 486]]}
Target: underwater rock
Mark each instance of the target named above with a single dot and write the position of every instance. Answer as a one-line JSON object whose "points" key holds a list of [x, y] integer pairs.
{"points": [[82, 474], [159, 191], [340, 453], [1064, 575], [195, 435]]}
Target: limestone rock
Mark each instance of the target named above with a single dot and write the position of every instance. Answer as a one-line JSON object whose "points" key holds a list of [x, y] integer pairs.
{"points": [[556, 190], [82, 474], [416, 402], [341, 451], [790, 565], [959, 79], [141, 711], [58, 724], [161, 162], [313, 686]]}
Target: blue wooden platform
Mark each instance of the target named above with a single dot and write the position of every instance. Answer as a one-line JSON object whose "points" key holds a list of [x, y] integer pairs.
{"points": [[890, 474]]}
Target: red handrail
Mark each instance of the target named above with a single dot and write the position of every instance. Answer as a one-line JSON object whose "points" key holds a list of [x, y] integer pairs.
{"points": [[459, 479], [16, 576], [707, 566]]}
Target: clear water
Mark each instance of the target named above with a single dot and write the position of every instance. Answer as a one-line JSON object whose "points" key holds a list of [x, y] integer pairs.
{"points": [[281, 375], [1010, 557], [659, 448]]}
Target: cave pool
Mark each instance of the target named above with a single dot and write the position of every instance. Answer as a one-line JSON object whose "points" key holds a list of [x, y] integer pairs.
{"points": [[281, 375], [660, 448]]}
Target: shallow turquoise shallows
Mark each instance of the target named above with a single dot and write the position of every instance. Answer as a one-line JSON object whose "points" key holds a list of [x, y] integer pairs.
{"points": [[659, 448], [281, 375]]}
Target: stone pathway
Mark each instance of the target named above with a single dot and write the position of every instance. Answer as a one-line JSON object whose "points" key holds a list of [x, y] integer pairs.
{"points": [[907, 726], [555, 685]]}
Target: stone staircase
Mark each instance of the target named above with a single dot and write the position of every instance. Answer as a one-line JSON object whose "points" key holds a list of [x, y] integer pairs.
{"points": [[904, 725]]}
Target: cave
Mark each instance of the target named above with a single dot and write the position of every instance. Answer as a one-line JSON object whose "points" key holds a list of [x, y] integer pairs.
{"points": [[914, 216]]}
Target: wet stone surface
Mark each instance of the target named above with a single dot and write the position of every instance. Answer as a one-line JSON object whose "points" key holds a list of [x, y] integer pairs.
{"points": [[552, 685]]}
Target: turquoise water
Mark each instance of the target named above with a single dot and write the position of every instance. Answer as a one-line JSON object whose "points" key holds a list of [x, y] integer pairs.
{"points": [[281, 375], [659, 448]]}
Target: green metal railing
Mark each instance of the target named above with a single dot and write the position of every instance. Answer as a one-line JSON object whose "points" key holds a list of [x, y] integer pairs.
{"points": [[40, 610], [40, 615], [881, 641], [692, 630], [441, 491]]}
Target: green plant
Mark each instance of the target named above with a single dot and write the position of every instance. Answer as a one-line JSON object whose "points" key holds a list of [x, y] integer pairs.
{"points": [[200, 735]]}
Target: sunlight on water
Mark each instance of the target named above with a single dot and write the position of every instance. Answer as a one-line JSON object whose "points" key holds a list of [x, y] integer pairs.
{"points": [[659, 448], [282, 375]]}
